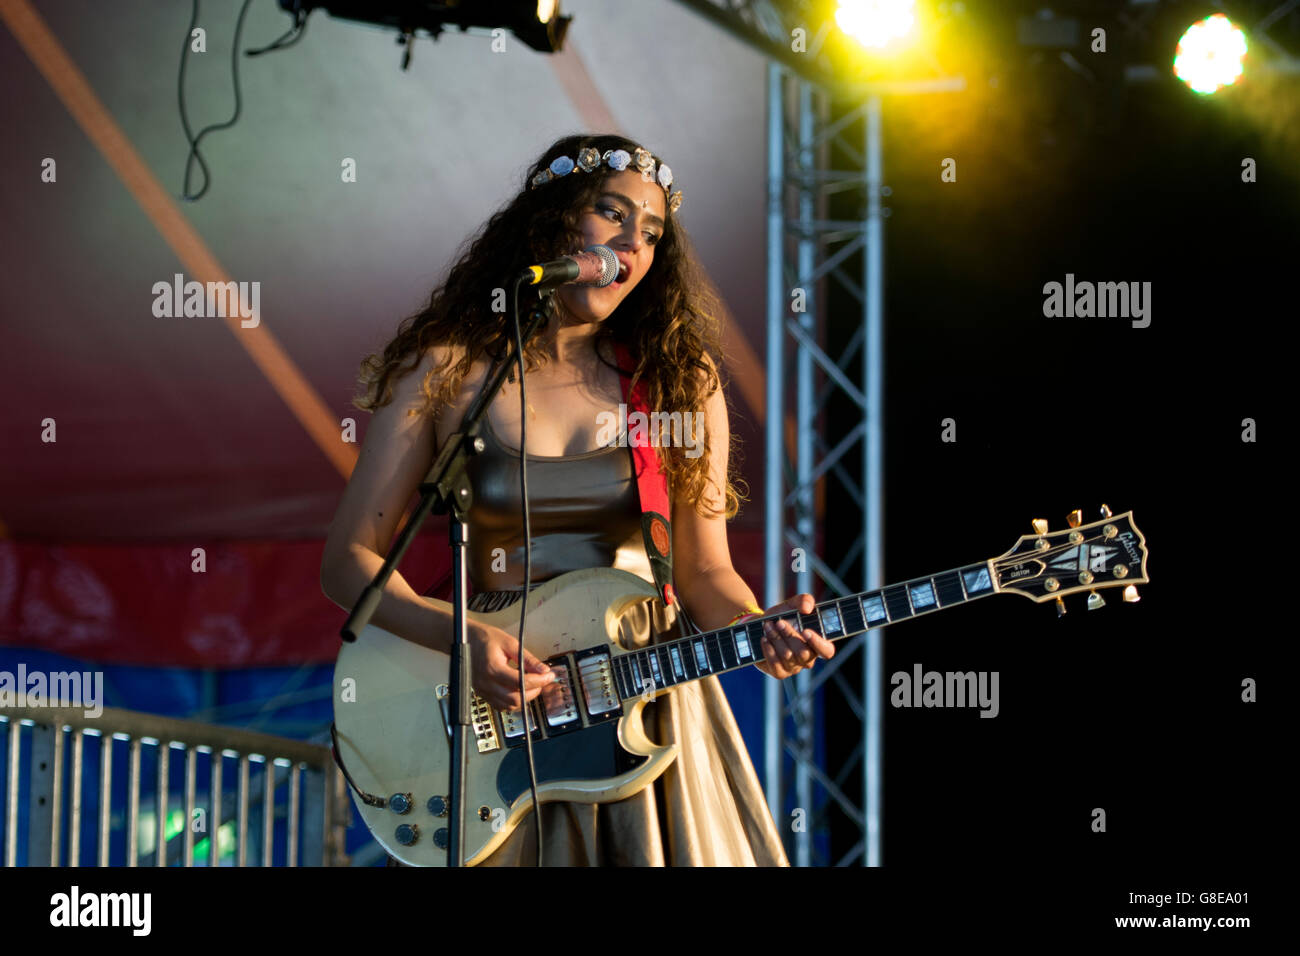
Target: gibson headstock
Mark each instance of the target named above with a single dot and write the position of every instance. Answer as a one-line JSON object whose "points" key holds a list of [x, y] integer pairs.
{"points": [[1047, 566]]}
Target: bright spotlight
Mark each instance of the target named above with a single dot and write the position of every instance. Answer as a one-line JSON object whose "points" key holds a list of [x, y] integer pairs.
{"points": [[874, 23], [1209, 54]]}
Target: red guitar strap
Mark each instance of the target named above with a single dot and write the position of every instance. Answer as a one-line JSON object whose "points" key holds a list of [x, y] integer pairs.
{"points": [[651, 482]]}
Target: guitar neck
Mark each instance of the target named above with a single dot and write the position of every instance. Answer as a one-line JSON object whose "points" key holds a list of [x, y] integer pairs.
{"points": [[731, 648]]}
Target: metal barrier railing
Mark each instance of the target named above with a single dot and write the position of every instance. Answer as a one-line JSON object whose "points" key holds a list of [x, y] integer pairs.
{"points": [[301, 805]]}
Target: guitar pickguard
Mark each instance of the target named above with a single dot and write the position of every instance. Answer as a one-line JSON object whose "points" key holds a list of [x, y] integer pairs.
{"points": [[590, 755]]}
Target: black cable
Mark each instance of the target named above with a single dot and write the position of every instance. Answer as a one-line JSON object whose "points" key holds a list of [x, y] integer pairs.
{"points": [[180, 92], [528, 569], [295, 32]]}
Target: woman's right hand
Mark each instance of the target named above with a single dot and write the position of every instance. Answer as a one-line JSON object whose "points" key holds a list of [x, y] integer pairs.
{"points": [[494, 670]]}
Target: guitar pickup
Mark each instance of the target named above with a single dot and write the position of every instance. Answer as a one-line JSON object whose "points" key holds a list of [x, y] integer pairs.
{"points": [[557, 698], [596, 678], [554, 706], [512, 723]]}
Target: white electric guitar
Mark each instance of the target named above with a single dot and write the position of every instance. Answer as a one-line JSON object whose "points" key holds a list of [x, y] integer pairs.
{"points": [[392, 704]]}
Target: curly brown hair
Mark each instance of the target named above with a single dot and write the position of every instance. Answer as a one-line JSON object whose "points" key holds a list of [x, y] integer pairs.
{"points": [[666, 322]]}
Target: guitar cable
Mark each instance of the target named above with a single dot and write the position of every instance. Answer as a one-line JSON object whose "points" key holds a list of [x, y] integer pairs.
{"points": [[683, 618], [528, 566]]}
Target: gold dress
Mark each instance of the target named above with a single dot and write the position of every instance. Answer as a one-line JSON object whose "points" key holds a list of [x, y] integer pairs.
{"points": [[707, 808]]}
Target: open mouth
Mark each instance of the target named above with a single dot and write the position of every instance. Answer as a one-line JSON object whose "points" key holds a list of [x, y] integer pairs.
{"points": [[622, 274]]}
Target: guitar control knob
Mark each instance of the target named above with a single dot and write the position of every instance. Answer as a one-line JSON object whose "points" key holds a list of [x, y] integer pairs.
{"points": [[399, 802], [442, 838], [437, 806], [1095, 601], [1131, 594], [407, 834], [1074, 518]]}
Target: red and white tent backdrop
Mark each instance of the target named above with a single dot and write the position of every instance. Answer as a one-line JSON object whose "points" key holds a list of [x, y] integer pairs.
{"points": [[179, 433]]}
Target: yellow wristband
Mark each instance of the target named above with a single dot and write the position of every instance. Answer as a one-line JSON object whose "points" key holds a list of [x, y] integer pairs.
{"points": [[751, 611]]}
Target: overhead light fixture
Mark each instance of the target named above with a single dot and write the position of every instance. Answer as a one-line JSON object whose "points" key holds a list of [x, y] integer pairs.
{"points": [[539, 25]]}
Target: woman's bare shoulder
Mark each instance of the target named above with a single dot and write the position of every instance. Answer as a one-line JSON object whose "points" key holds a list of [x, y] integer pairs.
{"points": [[443, 360]]}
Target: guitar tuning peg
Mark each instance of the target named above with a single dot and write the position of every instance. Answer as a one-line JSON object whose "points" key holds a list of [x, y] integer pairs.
{"points": [[1095, 601], [1060, 608], [1040, 526], [1105, 511], [1074, 518], [1131, 594]]}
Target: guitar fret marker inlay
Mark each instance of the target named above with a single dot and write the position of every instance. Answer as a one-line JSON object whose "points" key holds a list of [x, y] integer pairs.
{"points": [[677, 662], [977, 580], [922, 595], [831, 626]]}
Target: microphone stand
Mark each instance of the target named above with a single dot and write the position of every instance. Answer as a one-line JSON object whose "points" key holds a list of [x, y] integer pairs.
{"points": [[446, 490]]}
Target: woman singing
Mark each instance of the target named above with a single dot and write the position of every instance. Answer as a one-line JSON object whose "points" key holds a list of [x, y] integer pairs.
{"points": [[707, 808]]}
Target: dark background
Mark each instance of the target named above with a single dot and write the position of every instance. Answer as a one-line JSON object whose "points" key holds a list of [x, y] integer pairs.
{"points": [[1133, 708]]}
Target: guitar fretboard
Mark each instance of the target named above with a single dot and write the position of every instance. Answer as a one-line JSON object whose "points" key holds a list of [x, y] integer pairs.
{"points": [[731, 648]]}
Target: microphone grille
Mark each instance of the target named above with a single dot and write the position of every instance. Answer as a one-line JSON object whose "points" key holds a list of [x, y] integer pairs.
{"points": [[611, 264]]}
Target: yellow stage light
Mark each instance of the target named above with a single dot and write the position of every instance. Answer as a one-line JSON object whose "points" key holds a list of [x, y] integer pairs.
{"points": [[875, 23], [1209, 54]]}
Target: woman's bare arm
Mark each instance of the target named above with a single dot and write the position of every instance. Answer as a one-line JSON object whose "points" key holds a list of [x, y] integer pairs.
{"points": [[395, 456], [709, 586], [711, 590]]}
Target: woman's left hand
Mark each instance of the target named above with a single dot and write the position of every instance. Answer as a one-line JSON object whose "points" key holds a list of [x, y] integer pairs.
{"points": [[787, 651]]}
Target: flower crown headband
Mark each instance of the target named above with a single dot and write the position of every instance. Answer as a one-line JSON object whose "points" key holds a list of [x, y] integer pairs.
{"points": [[590, 158]]}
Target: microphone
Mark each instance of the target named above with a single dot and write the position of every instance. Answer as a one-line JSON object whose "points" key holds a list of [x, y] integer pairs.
{"points": [[595, 265]]}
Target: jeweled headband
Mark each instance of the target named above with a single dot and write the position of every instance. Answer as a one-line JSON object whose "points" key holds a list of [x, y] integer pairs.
{"points": [[619, 159]]}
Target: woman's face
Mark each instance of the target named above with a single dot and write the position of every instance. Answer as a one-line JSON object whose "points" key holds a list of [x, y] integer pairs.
{"points": [[628, 216]]}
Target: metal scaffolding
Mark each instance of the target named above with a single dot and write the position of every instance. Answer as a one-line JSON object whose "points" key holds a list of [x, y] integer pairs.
{"points": [[808, 113], [799, 136], [804, 120]]}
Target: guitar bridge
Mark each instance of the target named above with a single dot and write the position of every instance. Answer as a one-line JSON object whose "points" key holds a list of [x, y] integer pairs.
{"points": [[485, 731], [480, 715]]}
